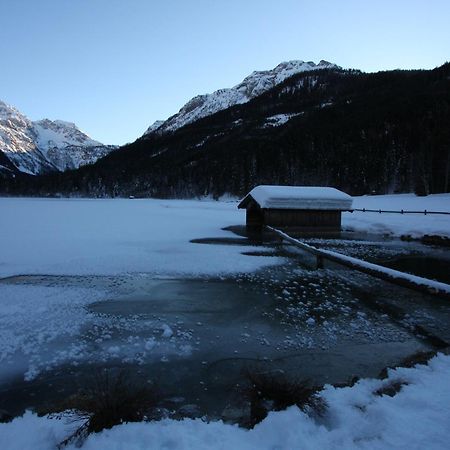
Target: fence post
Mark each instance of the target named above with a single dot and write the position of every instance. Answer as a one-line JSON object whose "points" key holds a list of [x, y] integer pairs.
{"points": [[319, 261]]}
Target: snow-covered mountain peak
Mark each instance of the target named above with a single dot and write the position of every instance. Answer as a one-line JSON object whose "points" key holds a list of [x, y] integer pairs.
{"points": [[8, 112], [252, 86], [59, 134], [45, 145]]}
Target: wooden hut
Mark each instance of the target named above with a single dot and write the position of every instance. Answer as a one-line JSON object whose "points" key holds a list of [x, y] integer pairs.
{"points": [[305, 208]]}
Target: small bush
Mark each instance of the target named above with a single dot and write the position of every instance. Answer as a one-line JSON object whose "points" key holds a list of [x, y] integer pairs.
{"points": [[420, 357], [391, 389], [274, 392], [109, 400]]}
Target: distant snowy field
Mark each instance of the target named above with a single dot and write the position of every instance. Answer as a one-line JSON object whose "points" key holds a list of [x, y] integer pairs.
{"points": [[109, 237], [415, 225]]}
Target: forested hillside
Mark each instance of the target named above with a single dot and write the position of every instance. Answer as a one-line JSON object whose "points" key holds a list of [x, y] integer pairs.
{"points": [[363, 133]]}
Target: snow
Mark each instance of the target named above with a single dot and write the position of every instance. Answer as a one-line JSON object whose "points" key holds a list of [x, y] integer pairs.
{"points": [[34, 147], [279, 119], [8, 111], [16, 141], [414, 225], [37, 321], [154, 126], [116, 236], [255, 84], [417, 417], [60, 134], [300, 197]]}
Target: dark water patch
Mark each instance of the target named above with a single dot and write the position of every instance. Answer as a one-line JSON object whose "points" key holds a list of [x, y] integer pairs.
{"points": [[423, 266], [262, 253], [222, 241], [209, 384], [431, 240], [256, 236]]}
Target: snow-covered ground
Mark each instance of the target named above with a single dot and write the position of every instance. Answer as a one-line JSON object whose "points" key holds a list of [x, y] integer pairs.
{"points": [[126, 238], [356, 418], [415, 225], [106, 237]]}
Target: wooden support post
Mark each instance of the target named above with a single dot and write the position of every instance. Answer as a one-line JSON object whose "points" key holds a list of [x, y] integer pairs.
{"points": [[319, 260]]}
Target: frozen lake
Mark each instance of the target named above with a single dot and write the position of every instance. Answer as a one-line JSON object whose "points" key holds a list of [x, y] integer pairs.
{"points": [[118, 283]]}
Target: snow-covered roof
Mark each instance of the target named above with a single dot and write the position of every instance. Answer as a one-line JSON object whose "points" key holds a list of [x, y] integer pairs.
{"points": [[298, 197]]}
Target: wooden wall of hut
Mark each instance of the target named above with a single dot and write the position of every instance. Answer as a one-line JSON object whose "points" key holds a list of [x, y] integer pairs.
{"points": [[307, 219]]}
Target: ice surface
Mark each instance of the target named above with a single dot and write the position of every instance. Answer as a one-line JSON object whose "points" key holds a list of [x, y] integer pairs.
{"points": [[300, 197], [37, 322]]}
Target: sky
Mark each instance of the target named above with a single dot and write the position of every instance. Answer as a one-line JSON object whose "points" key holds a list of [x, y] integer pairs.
{"points": [[115, 66]]}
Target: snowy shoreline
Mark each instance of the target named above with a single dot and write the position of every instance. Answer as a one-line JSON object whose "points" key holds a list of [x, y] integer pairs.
{"points": [[357, 417]]}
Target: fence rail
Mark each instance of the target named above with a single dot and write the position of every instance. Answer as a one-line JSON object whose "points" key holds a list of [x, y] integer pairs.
{"points": [[394, 276], [402, 211]]}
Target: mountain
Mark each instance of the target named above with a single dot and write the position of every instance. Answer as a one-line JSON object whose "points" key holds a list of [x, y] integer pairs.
{"points": [[360, 132], [43, 146], [252, 86]]}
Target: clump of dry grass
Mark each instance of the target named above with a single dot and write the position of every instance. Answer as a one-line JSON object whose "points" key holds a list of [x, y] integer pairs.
{"points": [[110, 399], [274, 392], [391, 389]]}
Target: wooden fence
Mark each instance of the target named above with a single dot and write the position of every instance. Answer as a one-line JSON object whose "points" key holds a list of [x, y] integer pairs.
{"points": [[402, 211]]}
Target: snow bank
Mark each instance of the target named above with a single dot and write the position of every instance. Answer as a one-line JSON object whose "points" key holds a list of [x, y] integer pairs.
{"points": [[415, 225], [415, 418], [300, 197], [108, 237]]}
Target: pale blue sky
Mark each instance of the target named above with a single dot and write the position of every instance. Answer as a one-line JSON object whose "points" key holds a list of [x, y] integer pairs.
{"points": [[115, 66]]}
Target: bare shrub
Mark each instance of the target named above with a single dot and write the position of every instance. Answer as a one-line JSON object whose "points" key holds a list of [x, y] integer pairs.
{"points": [[274, 392], [391, 389], [420, 357], [110, 399]]}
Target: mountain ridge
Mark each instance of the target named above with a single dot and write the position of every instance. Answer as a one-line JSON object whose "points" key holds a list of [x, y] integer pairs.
{"points": [[250, 87], [36, 147]]}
